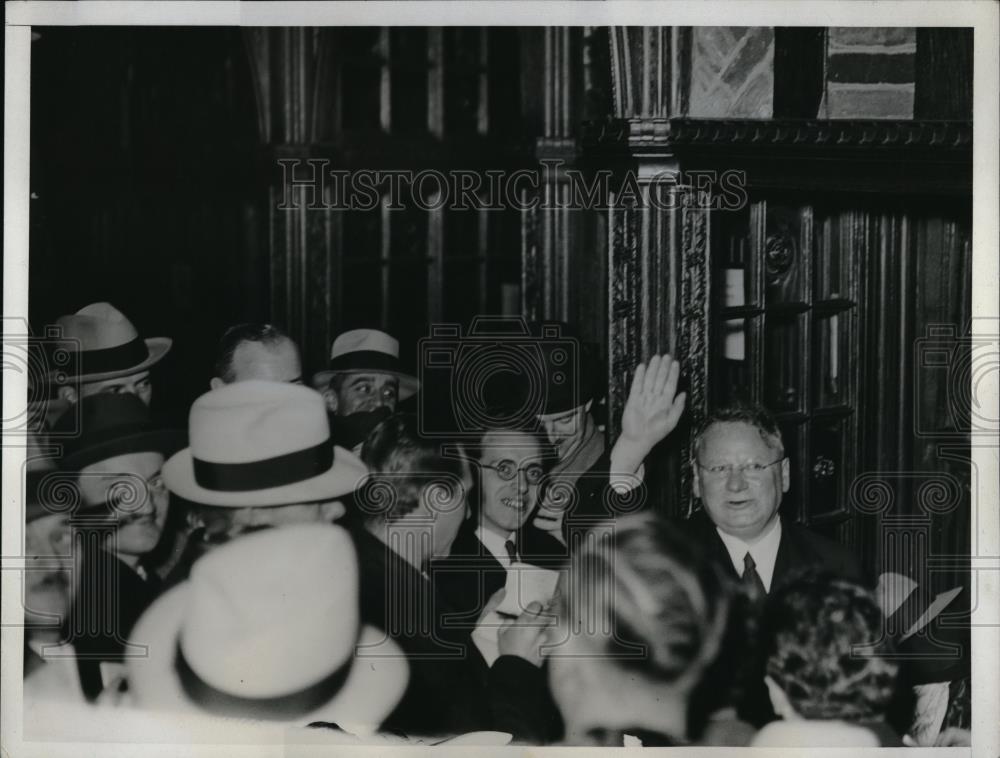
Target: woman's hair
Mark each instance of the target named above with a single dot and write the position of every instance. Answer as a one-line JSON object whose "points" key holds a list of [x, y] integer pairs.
{"points": [[664, 602], [402, 465], [825, 649]]}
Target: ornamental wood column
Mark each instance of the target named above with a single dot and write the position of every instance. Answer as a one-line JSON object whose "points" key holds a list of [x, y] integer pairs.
{"points": [[297, 92], [657, 268]]}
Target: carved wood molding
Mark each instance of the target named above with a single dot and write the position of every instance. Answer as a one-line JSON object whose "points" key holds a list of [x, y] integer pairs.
{"points": [[931, 158], [624, 310], [671, 132], [693, 350]]}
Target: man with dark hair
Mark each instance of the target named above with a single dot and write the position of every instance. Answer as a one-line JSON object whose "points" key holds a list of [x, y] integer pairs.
{"points": [[256, 351], [411, 508]]}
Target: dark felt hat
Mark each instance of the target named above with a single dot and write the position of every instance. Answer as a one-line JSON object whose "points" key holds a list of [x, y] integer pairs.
{"points": [[569, 366], [112, 425]]}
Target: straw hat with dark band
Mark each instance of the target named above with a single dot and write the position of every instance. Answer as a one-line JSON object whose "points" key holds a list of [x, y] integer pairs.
{"points": [[98, 342], [258, 443], [367, 350], [268, 627]]}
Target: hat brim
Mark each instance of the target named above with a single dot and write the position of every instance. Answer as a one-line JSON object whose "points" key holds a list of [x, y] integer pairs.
{"points": [[157, 347], [346, 475], [408, 385], [164, 441], [373, 687]]}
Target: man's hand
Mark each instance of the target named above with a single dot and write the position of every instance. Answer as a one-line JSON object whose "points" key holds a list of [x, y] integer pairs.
{"points": [[525, 635], [651, 412]]}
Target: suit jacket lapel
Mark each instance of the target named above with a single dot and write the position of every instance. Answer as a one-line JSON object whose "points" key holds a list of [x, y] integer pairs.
{"points": [[789, 556], [708, 535]]}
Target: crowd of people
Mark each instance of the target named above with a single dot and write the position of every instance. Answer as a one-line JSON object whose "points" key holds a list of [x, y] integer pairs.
{"points": [[305, 553]]}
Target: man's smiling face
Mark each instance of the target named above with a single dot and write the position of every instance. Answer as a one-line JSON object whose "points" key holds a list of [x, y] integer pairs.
{"points": [[740, 501], [363, 391]]}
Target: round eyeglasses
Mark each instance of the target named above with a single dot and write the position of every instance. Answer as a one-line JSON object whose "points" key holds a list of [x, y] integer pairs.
{"points": [[507, 470], [747, 470]]}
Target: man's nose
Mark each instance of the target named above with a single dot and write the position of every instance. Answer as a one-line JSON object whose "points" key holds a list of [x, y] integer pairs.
{"points": [[522, 481], [736, 480], [148, 504]]}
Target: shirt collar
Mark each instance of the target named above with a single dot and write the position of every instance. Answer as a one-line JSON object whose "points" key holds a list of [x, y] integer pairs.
{"points": [[764, 552], [495, 543]]}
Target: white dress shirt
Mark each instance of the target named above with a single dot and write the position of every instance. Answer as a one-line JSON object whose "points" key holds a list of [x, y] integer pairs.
{"points": [[764, 552], [496, 544]]}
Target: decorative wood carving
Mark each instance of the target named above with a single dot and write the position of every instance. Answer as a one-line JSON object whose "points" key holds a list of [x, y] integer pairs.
{"points": [[692, 347], [645, 242], [672, 132]]}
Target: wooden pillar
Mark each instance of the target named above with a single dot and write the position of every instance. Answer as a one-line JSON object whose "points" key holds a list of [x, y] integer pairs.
{"points": [[547, 231], [295, 86], [657, 233]]}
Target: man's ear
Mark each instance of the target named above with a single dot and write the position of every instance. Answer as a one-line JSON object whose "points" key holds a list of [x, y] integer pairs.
{"points": [[332, 510], [331, 399], [194, 520], [215, 382], [786, 479], [779, 700], [695, 481], [68, 394]]}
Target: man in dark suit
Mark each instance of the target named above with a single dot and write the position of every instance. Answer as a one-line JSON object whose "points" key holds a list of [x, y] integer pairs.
{"points": [[411, 511], [740, 475], [114, 465]]}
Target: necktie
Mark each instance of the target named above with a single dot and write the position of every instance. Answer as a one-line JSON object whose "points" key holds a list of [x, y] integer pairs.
{"points": [[751, 579], [511, 550]]}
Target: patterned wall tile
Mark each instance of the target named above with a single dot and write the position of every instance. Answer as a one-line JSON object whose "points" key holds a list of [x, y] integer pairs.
{"points": [[732, 72], [870, 72]]}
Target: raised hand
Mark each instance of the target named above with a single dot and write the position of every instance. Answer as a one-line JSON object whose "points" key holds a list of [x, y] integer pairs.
{"points": [[653, 408]]}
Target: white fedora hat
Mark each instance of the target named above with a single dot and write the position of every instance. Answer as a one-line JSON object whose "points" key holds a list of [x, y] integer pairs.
{"points": [[101, 343], [258, 443], [268, 627], [364, 350]]}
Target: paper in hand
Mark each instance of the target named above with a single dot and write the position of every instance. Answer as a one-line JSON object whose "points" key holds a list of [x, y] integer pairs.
{"points": [[527, 584]]}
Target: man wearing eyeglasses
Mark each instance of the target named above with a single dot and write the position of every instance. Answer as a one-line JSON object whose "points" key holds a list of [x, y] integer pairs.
{"points": [[740, 475], [113, 466]]}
